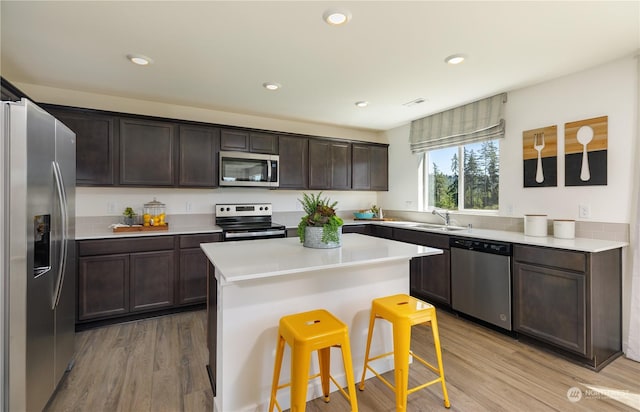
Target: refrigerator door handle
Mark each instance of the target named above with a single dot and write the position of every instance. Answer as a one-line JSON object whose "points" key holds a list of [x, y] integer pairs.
{"points": [[62, 198]]}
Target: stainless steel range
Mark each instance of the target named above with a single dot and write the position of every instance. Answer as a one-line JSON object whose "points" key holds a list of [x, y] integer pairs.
{"points": [[247, 221]]}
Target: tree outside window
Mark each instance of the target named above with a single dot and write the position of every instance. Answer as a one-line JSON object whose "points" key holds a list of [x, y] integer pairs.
{"points": [[466, 175]]}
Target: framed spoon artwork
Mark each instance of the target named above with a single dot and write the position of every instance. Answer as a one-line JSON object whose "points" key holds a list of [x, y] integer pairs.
{"points": [[585, 152], [540, 157]]}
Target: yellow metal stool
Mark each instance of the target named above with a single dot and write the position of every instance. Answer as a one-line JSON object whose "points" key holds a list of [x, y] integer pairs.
{"points": [[317, 330], [404, 311]]}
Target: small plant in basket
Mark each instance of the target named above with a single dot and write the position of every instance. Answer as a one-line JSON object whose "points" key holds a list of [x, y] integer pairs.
{"points": [[320, 212]]}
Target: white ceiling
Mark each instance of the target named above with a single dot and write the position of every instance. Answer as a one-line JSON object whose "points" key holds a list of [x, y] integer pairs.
{"points": [[216, 54]]}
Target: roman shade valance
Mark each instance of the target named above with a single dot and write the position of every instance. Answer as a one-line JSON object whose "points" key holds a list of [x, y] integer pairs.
{"points": [[473, 122]]}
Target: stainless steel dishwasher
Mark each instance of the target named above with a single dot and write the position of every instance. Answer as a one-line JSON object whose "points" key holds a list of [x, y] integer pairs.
{"points": [[481, 280]]}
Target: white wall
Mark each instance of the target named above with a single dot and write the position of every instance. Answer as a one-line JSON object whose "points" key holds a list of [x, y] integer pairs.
{"points": [[610, 89], [104, 201]]}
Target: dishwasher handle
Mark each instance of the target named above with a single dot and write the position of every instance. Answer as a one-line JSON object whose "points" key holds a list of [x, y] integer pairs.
{"points": [[496, 248]]}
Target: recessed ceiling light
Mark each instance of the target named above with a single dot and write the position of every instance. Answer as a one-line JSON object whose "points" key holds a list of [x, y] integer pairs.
{"points": [[139, 59], [336, 17], [362, 103], [455, 59], [271, 85]]}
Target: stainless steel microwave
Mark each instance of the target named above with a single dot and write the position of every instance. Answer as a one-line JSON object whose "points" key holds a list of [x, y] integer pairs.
{"points": [[249, 169]]}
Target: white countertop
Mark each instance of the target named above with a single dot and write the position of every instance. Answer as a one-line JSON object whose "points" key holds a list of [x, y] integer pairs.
{"points": [[98, 228], [577, 244], [255, 259]]}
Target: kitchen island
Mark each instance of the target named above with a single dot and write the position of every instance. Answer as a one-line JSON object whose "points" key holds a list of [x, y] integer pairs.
{"points": [[252, 284]]}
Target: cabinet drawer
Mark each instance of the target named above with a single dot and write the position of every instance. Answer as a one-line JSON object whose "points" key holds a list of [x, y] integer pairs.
{"points": [[190, 241], [113, 246], [421, 238], [562, 259]]}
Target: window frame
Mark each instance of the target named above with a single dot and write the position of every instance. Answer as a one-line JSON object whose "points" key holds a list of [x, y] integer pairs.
{"points": [[423, 181]]}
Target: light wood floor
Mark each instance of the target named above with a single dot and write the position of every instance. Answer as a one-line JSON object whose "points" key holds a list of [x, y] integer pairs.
{"points": [[158, 365]]}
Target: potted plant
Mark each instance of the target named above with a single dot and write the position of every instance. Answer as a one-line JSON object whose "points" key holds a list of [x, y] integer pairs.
{"points": [[128, 214], [320, 227]]}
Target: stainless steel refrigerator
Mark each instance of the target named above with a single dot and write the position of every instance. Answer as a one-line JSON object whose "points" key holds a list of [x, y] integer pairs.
{"points": [[37, 225]]}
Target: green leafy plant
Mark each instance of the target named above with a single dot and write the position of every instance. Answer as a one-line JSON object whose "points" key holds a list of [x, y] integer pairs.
{"points": [[128, 212], [320, 212]]}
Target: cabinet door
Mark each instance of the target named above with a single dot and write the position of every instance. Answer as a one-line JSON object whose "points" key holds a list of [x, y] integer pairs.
{"points": [[549, 305], [319, 164], [103, 286], [192, 280], [340, 165], [147, 153], [152, 280], [212, 325], [294, 153], [234, 140], [379, 168], [329, 164], [370, 167], [263, 143], [361, 166], [430, 278], [362, 229], [199, 147], [96, 154]]}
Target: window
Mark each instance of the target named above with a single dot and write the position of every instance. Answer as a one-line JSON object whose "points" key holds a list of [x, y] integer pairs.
{"points": [[464, 177]]}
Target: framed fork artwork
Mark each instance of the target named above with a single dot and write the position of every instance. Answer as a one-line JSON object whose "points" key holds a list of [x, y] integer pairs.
{"points": [[540, 157]]}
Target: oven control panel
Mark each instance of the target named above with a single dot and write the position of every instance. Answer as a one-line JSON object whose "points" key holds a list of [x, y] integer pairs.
{"points": [[243, 209]]}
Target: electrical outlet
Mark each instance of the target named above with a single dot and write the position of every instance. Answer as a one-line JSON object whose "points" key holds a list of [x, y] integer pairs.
{"points": [[188, 207], [111, 207], [584, 211], [509, 210]]}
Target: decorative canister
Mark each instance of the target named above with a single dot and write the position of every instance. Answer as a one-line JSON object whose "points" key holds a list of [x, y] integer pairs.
{"points": [[564, 228], [313, 238], [154, 213], [535, 225]]}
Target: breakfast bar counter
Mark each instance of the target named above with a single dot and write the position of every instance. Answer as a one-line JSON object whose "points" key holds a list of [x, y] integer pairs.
{"points": [[252, 284]]}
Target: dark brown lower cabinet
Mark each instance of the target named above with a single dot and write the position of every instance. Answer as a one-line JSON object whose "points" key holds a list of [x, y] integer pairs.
{"points": [[570, 301], [362, 229], [129, 276], [103, 286], [212, 324], [430, 276], [192, 277], [152, 279]]}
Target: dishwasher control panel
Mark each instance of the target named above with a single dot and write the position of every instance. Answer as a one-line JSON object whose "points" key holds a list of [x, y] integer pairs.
{"points": [[497, 248]]}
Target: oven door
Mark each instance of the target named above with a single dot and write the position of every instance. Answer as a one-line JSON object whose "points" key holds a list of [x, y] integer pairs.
{"points": [[249, 234], [249, 169]]}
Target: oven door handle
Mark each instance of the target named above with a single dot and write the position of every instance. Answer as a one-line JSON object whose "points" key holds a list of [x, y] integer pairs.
{"points": [[240, 235]]}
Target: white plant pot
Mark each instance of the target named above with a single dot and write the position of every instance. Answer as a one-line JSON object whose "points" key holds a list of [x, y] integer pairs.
{"points": [[313, 238]]}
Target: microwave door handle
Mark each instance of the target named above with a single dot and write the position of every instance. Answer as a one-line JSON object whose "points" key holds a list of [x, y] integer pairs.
{"points": [[268, 170], [62, 198]]}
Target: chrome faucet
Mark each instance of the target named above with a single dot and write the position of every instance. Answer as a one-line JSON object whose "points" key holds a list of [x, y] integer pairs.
{"points": [[446, 216]]}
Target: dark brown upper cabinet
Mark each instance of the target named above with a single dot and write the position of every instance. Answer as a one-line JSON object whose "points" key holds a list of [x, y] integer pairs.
{"points": [[247, 141], [263, 143], [294, 158], [199, 148], [329, 164], [147, 153], [96, 146], [370, 166], [234, 140]]}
